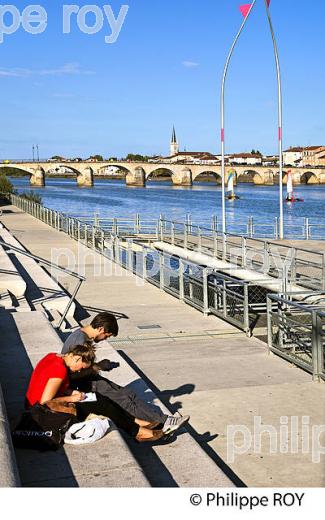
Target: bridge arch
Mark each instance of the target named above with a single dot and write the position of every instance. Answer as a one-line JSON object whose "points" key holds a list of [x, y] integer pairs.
{"points": [[84, 174], [246, 176], [160, 173], [123, 169], [263, 178], [309, 178], [208, 174], [25, 171]]}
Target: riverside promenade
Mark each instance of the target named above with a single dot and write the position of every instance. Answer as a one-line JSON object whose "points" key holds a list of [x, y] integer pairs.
{"points": [[197, 365]]}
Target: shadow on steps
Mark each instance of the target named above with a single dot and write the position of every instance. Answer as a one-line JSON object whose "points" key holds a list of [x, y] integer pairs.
{"points": [[36, 469]]}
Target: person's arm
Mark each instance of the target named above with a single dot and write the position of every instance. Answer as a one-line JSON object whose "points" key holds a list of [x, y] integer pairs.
{"points": [[51, 390]]}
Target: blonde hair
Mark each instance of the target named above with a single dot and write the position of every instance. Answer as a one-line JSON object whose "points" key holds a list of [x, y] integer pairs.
{"points": [[86, 352]]}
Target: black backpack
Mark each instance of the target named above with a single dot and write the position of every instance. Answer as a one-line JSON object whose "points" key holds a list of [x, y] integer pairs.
{"points": [[42, 429]]}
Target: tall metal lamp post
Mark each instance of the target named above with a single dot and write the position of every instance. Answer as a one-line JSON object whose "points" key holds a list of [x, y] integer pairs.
{"points": [[246, 11], [280, 118]]}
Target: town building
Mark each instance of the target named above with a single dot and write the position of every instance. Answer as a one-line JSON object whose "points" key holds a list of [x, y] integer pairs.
{"points": [[313, 156], [293, 156], [245, 158]]}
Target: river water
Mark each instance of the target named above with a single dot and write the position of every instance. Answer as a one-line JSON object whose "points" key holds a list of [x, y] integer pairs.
{"points": [[111, 198]]}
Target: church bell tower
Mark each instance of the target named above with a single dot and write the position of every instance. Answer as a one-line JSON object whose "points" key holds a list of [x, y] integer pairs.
{"points": [[174, 146]]}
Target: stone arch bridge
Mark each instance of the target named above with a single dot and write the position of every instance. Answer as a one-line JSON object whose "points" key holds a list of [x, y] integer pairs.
{"points": [[138, 173]]}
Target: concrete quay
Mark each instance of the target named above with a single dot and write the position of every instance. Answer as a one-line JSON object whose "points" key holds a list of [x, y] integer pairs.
{"points": [[197, 365]]}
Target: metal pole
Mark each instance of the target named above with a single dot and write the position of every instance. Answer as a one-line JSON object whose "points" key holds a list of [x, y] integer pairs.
{"points": [[280, 131], [223, 172]]}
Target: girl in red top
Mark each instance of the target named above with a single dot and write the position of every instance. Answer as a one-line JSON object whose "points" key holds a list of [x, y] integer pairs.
{"points": [[50, 378], [50, 381]]}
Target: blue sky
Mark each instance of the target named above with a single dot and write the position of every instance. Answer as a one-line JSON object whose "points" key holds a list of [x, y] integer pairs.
{"points": [[76, 95]]}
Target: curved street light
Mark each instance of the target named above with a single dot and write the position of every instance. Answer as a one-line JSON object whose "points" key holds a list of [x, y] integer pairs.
{"points": [[280, 118], [246, 11]]}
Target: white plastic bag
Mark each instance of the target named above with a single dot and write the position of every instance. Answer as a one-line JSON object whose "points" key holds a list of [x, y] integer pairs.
{"points": [[87, 432]]}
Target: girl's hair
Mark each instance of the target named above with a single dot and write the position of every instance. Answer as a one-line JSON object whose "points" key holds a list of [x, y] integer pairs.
{"points": [[86, 351]]}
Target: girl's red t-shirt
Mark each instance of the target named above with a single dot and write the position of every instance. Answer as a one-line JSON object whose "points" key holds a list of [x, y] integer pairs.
{"points": [[50, 367]]}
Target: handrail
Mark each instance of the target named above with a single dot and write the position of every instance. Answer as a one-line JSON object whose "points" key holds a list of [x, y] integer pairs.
{"points": [[308, 306], [259, 240], [52, 265]]}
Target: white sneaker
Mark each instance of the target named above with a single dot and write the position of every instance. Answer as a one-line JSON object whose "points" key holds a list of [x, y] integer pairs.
{"points": [[173, 424]]}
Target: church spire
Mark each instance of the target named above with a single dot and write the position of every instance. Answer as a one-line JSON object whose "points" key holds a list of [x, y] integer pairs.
{"points": [[174, 140], [174, 147]]}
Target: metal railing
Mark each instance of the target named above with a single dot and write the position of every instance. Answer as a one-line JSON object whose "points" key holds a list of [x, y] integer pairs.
{"points": [[251, 227], [305, 229], [296, 331], [81, 279], [242, 304], [305, 268]]}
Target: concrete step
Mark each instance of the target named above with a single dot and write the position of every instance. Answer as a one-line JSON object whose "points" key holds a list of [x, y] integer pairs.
{"points": [[25, 339], [69, 324], [182, 463], [39, 286], [9, 302], [6, 300], [10, 279]]}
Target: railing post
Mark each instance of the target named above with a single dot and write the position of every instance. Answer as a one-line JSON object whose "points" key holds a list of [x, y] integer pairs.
{"points": [[285, 278], [252, 227], [244, 252], [323, 273], [162, 270], [269, 323], [316, 345], [173, 233], [86, 234], [276, 228], [215, 223], [144, 262], [161, 229], [189, 222], [224, 247], [199, 240], [205, 292], [215, 243], [102, 240], [137, 224], [246, 310], [93, 237], [185, 236], [224, 298], [266, 266], [307, 229], [115, 226], [181, 279], [129, 263], [293, 265]]}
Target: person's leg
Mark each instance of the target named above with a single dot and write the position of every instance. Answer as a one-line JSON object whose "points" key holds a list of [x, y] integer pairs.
{"points": [[122, 419], [130, 402]]}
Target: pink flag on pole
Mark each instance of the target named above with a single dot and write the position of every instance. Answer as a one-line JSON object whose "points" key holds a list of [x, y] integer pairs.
{"points": [[244, 9], [268, 2]]}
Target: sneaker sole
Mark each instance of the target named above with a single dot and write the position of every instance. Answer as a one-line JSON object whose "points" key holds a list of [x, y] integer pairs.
{"points": [[170, 433]]}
